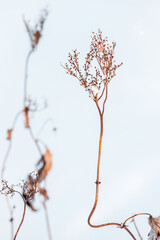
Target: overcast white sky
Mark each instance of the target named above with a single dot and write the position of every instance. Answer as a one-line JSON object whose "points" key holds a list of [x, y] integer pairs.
{"points": [[130, 156]]}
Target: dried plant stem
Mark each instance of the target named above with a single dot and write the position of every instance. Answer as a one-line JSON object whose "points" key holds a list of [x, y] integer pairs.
{"points": [[11, 216], [5, 159], [47, 220], [24, 211], [44, 125], [9, 146], [101, 113], [26, 75], [135, 215], [137, 229], [35, 140], [10, 208]]}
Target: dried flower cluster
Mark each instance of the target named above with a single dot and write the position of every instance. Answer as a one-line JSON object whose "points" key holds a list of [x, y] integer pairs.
{"points": [[35, 32], [93, 78], [28, 188], [6, 189]]}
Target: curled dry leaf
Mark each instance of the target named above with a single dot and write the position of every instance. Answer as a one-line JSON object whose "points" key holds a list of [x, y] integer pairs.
{"points": [[46, 160], [154, 223], [9, 133], [47, 164]]}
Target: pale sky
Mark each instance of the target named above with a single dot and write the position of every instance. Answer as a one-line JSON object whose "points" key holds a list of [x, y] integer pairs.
{"points": [[130, 163]]}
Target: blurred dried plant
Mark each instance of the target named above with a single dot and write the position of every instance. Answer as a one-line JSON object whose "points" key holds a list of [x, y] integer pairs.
{"points": [[33, 184], [27, 193], [35, 32]]}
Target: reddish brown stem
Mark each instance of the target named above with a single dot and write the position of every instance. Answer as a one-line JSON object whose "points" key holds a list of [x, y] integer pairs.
{"points": [[101, 113], [98, 166], [101, 93], [24, 211], [135, 215]]}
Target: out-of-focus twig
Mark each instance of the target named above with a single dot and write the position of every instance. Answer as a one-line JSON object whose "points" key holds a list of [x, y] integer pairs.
{"points": [[135, 225], [47, 220]]}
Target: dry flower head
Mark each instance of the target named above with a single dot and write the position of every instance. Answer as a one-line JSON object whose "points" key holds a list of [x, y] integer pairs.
{"points": [[103, 53], [35, 32]]}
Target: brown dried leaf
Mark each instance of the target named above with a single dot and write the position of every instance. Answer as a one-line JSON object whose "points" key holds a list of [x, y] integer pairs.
{"points": [[155, 228], [48, 163], [9, 133]]}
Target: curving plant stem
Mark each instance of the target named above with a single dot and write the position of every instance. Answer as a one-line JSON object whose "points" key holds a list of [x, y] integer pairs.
{"points": [[9, 146], [135, 215], [101, 114], [3, 171], [24, 211]]}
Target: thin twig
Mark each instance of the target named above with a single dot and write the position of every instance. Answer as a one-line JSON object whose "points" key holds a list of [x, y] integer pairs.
{"points": [[35, 140], [9, 146], [24, 211], [47, 220], [101, 93], [42, 142], [106, 88], [101, 113], [134, 222], [11, 216], [26, 75], [44, 124], [10, 208], [135, 215]]}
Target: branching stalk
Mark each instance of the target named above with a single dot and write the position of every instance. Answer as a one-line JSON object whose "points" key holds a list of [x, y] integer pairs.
{"points": [[101, 114]]}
